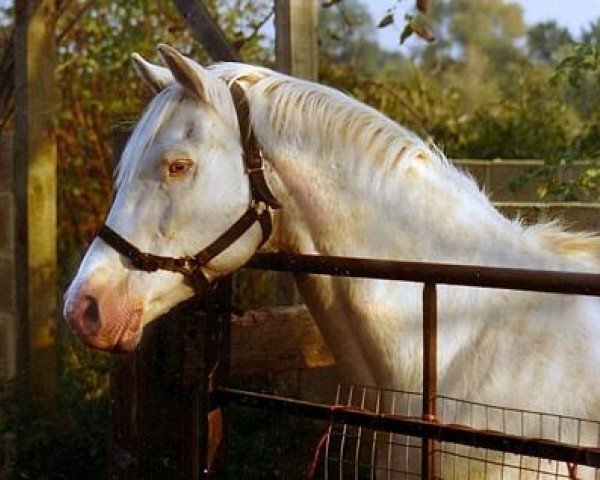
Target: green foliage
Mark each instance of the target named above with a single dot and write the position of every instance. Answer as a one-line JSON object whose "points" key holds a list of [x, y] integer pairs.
{"points": [[530, 121], [553, 184], [581, 61], [70, 440], [546, 40], [480, 92]]}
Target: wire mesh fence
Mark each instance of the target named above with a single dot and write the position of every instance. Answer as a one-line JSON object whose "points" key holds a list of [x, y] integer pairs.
{"points": [[362, 453]]}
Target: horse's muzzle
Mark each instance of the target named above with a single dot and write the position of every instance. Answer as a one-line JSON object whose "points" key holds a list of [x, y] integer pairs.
{"points": [[103, 317]]}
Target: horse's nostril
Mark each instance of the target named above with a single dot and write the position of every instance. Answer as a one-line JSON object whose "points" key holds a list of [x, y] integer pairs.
{"points": [[91, 314]]}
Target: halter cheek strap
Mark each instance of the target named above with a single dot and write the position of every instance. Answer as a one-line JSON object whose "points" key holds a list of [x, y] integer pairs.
{"points": [[259, 211], [252, 153]]}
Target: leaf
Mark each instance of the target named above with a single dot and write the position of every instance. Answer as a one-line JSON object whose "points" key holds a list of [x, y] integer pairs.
{"points": [[388, 19], [424, 31], [422, 5], [407, 32], [330, 3], [238, 43]]}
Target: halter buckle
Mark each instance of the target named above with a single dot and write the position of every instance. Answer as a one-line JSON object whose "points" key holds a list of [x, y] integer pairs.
{"points": [[187, 266], [251, 170], [259, 206]]}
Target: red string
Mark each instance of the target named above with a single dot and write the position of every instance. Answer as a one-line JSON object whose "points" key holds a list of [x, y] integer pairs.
{"points": [[572, 467], [319, 450]]}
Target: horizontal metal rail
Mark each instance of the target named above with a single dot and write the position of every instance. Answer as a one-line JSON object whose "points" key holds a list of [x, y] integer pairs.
{"points": [[441, 273], [488, 439], [430, 274]]}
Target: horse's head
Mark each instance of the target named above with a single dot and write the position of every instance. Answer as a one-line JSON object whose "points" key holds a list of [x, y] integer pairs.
{"points": [[183, 181]]}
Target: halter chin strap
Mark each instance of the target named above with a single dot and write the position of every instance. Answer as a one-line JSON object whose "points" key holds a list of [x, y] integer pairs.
{"points": [[259, 211]]}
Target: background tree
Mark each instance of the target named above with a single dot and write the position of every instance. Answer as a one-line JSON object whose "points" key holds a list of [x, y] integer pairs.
{"points": [[546, 41]]}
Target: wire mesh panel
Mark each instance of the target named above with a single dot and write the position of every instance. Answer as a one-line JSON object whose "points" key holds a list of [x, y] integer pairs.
{"points": [[362, 453], [459, 461], [356, 452]]}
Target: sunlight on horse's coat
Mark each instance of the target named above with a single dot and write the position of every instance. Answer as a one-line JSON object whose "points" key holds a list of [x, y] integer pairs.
{"points": [[354, 183]]}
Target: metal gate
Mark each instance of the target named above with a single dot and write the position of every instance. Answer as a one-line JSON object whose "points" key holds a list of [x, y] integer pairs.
{"points": [[357, 438]]}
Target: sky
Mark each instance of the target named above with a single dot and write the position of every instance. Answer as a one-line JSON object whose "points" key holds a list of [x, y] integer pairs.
{"points": [[572, 14]]}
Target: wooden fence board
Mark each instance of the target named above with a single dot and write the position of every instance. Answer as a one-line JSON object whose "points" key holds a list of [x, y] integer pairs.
{"points": [[277, 339]]}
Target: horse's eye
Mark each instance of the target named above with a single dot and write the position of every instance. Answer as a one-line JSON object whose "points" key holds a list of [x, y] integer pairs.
{"points": [[177, 168]]}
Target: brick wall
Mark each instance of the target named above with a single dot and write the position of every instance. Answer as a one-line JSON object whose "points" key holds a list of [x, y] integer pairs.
{"points": [[7, 265]]}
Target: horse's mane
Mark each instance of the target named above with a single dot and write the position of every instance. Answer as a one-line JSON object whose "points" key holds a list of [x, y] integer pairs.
{"points": [[554, 234], [391, 146]]}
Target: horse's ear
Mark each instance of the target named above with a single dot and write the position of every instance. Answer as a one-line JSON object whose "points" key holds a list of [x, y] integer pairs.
{"points": [[155, 77], [188, 74]]}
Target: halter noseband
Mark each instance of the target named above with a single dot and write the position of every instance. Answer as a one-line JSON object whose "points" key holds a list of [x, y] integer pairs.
{"points": [[259, 211]]}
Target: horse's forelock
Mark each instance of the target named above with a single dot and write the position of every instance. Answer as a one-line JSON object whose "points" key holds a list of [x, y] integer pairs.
{"points": [[159, 109]]}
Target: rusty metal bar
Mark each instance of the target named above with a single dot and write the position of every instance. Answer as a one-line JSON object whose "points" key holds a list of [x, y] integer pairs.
{"points": [[488, 439], [429, 376], [448, 274]]}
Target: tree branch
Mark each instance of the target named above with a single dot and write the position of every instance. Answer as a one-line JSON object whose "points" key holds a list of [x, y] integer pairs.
{"points": [[255, 29], [74, 20], [206, 31]]}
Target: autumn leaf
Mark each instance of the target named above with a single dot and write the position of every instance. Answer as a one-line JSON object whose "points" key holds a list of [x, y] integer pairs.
{"points": [[407, 32], [387, 20], [424, 31], [422, 6], [418, 26]]}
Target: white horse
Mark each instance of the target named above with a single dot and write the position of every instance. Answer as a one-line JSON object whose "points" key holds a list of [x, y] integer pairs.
{"points": [[351, 182]]}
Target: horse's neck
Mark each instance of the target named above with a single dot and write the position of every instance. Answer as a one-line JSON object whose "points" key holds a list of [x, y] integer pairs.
{"points": [[432, 213], [328, 211]]}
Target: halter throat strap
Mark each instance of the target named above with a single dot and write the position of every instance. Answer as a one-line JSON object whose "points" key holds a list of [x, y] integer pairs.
{"points": [[259, 211]]}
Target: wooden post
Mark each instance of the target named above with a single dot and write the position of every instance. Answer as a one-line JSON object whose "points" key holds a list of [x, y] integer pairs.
{"points": [[296, 37], [8, 304], [206, 31], [163, 421], [35, 196]]}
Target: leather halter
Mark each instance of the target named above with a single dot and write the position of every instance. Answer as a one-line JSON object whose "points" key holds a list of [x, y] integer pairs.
{"points": [[262, 201]]}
